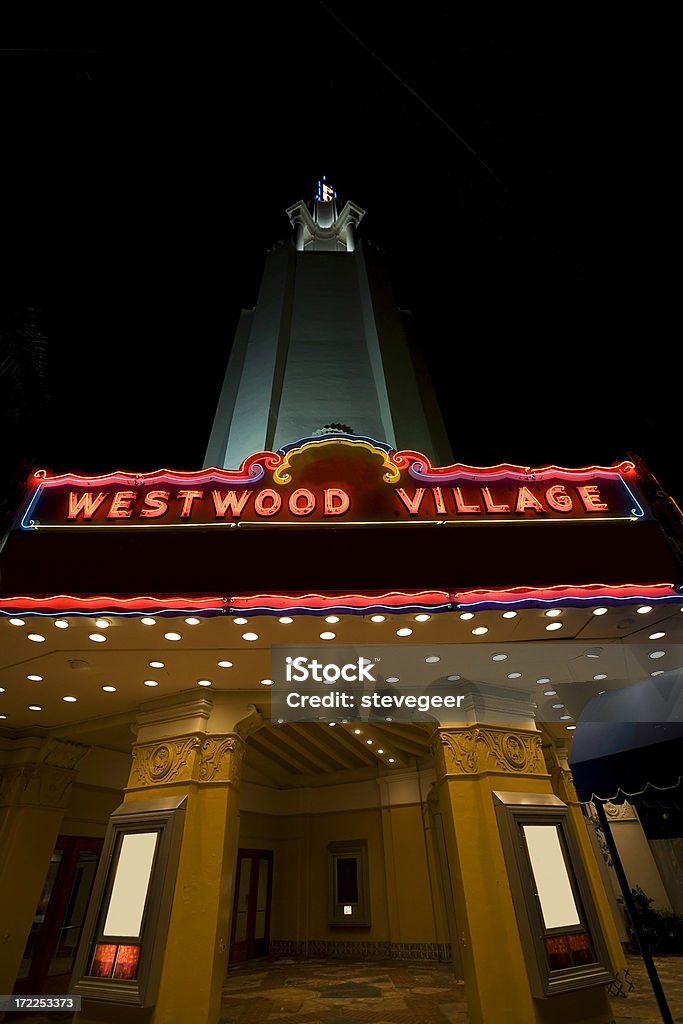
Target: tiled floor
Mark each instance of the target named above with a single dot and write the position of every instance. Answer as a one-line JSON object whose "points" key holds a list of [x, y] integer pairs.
{"points": [[387, 992]]}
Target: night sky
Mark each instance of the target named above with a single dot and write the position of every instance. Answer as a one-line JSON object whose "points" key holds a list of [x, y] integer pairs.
{"points": [[145, 176]]}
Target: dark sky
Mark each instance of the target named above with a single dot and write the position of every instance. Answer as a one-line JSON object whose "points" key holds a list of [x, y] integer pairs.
{"points": [[145, 175]]}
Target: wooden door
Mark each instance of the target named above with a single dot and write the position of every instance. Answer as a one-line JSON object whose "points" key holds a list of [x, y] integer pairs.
{"points": [[251, 908]]}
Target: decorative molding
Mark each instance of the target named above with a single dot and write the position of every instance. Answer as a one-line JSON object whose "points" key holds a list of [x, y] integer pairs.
{"points": [[184, 759], [37, 785], [621, 812], [473, 751], [439, 952], [164, 762], [64, 754], [221, 759], [252, 722]]}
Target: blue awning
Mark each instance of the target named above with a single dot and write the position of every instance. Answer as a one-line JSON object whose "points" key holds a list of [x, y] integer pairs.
{"points": [[628, 744]]}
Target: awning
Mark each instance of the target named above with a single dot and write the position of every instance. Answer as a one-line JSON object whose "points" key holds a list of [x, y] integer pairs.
{"points": [[628, 744]]}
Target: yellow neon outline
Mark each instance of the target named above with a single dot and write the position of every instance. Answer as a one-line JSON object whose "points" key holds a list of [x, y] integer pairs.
{"points": [[281, 476]]}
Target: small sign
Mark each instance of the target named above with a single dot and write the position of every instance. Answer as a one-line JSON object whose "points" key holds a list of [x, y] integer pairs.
{"points": [[348, 909]]}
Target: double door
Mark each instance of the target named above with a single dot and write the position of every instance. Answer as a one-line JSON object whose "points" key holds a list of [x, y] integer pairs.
{"points": [[251, 913]]}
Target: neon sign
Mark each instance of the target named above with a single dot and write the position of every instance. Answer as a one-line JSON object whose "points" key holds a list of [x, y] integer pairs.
{"points": [[332, 481], [325, 193]]}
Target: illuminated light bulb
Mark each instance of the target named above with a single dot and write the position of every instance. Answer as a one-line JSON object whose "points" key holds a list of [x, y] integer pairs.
{"points": [[388, 719], [97, 638], [600, 675], [553, 625], [432, 659], [225, 664], [658, 654], [656, 636], [35, 679], [571, 728], [644, 609], [600, 611], [156, 664], [422, 617], [659, 672], [357, 732], [331, 618], [172, 636], [480, 630], [550, 693], [285, 620], [552, 613], [379, 750], [542, 680], [3, 717], [391, 760], [392, 679], [151, 682], [148, 621], [267, 682], [565, 718], [70, 700], [37, 638], [2, 689], [514, 675], [499, 657], [61, 624], [250, 636], [193, 621], [369, 742], [34, 707], [510, 615], [377, 618], [600, 692], [204, 682], [331, 724], [465, 616], [17, 622], [102, 623], [240, 621], [109, 689], [404, 631], [557, 706], [327, 635], [453, 679]]}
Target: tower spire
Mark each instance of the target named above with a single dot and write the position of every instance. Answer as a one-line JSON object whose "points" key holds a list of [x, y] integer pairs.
{"points": [[324, 229]]}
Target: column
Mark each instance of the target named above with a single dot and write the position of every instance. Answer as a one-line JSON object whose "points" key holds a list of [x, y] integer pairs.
{"points": [[471, 763], [192, 747], [36, 776]]}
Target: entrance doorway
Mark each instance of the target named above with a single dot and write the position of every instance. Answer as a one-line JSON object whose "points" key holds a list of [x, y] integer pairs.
{"points": [[53, 940], [251, 914]]}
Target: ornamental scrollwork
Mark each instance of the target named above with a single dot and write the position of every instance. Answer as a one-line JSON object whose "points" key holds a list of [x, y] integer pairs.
{"points": [[473, 751], [221, 759], [160, 763]]}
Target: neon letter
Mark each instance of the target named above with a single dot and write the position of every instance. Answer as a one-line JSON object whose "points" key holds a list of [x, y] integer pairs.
{"points": [[412, 504], [85, 504], [156, 503], [267, 510], [188, 499], [438, 500], [120, 506], [344, 505], [526, 500], [309, 502], [592, 499], [460, 502], [489, 503], [558, 499], [230, 501]]}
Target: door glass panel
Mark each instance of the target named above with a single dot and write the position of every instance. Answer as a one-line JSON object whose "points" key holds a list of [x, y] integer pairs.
{"points": [[553, 884], [74, 915], [261, 899], [41, 910], [243, 900]]}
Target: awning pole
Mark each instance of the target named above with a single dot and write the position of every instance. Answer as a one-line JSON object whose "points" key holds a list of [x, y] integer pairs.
{"points": [[641, 939]]}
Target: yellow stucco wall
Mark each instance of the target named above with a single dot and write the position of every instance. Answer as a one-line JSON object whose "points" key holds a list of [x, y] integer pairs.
{"points": [[401, 899]]}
